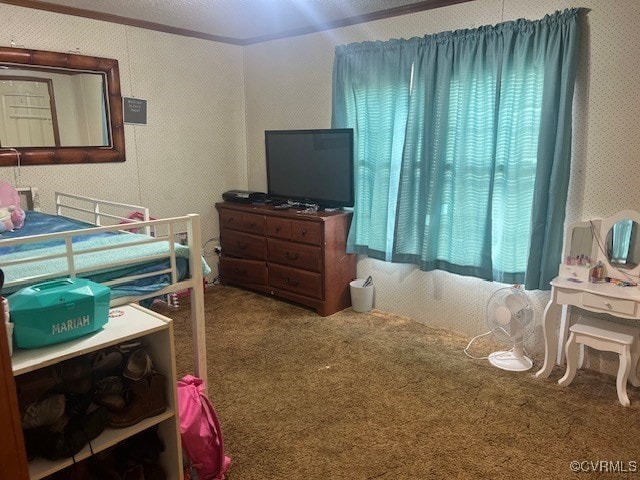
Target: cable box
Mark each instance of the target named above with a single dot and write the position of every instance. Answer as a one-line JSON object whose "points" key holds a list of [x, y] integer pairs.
{"points": [[244, 196]]}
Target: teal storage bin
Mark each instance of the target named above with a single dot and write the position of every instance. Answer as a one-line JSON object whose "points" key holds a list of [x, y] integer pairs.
{"points": [[57, 311]]}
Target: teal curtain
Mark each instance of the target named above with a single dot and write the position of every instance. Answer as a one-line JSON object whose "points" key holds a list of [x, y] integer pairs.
{"points": [[462, 147]]}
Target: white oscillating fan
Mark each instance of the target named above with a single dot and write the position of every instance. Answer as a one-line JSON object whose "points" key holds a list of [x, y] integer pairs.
{"points": [[510, 318]]}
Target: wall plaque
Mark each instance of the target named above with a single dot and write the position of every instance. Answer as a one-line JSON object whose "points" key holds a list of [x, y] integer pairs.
{"points": [[135, 110]]}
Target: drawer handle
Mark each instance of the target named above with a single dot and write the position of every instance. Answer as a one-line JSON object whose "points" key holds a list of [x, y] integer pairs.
{"points": [[242, 245], [241, 271], [253, 224], [293, 283], [230, 220], [291, 256], [278, 229], [608, 305], [304, 232]]}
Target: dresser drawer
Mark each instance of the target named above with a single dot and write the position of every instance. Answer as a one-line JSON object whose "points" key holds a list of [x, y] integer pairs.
{"points": [[245, 222], [608, 304], [306, 257], [239, 270], [294, 280], [240, 244], [307, 232], [253, 223], [569, 297], [279, 228], [230, 219], [299, 230]]}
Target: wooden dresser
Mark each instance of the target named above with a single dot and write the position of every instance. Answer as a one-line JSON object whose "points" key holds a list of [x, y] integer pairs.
{"points": [[290, 254]]}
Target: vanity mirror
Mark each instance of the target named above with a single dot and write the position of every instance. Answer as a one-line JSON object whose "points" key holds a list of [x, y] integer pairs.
{"points": [[614, 241], [580, 249], [59, 108], [581, 242], [615, 246], [622, 248]]}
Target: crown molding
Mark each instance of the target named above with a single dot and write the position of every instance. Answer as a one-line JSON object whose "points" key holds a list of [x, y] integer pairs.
{"points": [[344, 22]]}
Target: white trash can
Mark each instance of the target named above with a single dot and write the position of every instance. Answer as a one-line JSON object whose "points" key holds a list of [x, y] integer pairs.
{"points": [[361, 297]]}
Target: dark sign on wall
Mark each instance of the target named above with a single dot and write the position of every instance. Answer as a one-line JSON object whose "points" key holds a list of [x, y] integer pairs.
{"points": [[135, 110]]}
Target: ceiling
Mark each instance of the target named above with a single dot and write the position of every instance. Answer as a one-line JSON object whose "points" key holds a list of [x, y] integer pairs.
{"points": [[239, 22]]}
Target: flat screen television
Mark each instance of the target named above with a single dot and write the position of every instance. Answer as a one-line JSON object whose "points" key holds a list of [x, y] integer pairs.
{"points": [[311, 166]]}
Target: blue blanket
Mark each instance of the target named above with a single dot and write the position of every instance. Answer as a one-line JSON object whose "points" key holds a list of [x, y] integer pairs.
{"points": [[130, 250], [37, 223]]}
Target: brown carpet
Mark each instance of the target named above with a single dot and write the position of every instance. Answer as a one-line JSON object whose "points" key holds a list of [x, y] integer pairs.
{"points": [[377, 396]]}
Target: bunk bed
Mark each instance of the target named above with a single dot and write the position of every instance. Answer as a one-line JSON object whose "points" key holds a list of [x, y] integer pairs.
{"points": [[115, 244]]}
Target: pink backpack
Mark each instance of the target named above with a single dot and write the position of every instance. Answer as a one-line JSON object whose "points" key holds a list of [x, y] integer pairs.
{"points": [[200, 431]]}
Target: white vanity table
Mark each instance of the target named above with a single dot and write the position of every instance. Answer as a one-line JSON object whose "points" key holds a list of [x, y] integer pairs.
{"points": [[614, 242]]}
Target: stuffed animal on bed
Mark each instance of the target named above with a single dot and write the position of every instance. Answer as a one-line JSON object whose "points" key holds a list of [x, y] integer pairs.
{"points": [[17, 217], [6, 224], [11, 215]]}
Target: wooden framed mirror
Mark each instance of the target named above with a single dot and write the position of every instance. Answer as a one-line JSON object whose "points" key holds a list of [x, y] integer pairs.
{"points": [[98, 136]]}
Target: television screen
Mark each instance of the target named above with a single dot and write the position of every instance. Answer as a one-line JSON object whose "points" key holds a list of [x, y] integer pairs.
{"points": [[311, 166]]}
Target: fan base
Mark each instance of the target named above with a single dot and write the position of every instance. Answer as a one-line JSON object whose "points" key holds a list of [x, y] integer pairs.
{"points": [[508, 361]]}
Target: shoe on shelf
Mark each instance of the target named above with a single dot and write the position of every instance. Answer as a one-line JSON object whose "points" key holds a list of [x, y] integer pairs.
{"points": [[70, 376], [91, 424], [109, 393], [54, 444], [77, 471], [153, 471], [33, 385], [147, 399], [44, 412], [138, 365], [134, 472], [75, 375], [104, 465], [107, 362], [142, 448]]}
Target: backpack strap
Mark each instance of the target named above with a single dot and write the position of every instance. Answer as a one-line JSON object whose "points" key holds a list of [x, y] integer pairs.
{"points": [[212, 418]]}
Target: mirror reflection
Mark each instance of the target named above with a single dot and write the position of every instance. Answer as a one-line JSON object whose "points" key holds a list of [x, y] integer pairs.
{"points": [[581, 243], [105, 146], [622, 246], [52, 108]]}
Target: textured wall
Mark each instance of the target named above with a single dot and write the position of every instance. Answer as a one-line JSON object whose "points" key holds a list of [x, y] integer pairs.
{"points": [[288, 84], [193, 146], [200, 94]]}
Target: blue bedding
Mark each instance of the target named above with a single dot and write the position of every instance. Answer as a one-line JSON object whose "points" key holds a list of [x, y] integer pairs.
{"points": [[37, 223], [133, 253]]}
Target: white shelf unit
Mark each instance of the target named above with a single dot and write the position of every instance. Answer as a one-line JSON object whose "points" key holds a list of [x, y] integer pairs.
{"points": [[126, 323]]}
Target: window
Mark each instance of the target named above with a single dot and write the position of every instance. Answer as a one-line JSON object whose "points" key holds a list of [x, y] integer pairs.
{"points": [[462, 147]]}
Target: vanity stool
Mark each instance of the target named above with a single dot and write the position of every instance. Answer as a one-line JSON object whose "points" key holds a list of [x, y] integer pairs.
{"points": [[610, 337]]}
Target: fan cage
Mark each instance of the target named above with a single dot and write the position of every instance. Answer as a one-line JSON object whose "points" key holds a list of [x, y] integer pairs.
{"points": [[519, 326]]}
